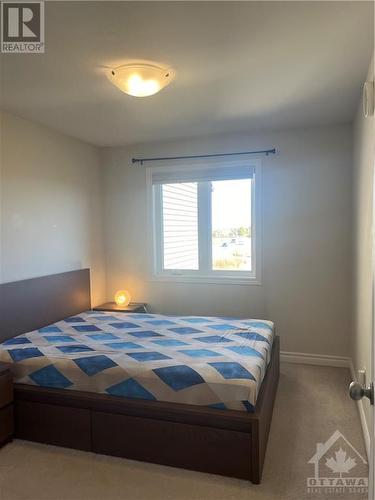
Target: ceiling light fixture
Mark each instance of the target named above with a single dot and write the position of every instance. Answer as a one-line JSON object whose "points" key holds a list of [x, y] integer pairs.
{"points": [[140, 79]]}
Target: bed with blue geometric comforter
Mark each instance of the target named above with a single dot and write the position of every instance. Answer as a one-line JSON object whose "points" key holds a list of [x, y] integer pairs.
{"points": [[192, 360]]}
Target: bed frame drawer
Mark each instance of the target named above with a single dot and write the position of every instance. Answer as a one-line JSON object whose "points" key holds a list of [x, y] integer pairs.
{"points": [[52, 424], [192, 447], [6, 424], [6, 387]]}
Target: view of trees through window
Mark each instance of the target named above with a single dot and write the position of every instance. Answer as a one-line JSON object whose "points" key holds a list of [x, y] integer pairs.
{"points": [[231, 225]]}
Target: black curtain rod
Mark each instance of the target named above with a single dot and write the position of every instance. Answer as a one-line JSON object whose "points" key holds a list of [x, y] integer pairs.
{"points": [[192, 157]]}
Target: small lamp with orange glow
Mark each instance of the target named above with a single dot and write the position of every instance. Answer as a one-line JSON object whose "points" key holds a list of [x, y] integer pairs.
{"points": [[122, 298]]}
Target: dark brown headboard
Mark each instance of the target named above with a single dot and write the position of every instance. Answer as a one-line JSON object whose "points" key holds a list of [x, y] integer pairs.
{"points": [[30, 304]]}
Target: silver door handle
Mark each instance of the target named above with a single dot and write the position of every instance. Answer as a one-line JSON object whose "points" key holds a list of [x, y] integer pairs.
{"points": [[358, 391]]}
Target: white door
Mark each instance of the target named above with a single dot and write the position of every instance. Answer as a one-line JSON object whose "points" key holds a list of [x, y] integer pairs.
{"points": [[356, 390], [371, 486]]}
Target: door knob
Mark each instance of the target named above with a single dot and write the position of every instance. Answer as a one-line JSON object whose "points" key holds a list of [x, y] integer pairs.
{"points": [[358, 391]]}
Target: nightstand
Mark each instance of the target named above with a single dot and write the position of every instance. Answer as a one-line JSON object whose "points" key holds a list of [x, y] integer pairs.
{"points": [[133, 307], [6, 405]]}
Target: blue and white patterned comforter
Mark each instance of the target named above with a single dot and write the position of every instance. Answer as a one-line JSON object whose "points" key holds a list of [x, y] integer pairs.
{"points": [[193, 360]]}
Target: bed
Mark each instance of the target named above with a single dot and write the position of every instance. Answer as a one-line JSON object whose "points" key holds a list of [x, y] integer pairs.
{"points": [[193, 392]]}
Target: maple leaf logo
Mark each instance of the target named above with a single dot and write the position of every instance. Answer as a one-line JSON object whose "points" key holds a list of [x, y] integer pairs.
{"points": [[341, 464]]}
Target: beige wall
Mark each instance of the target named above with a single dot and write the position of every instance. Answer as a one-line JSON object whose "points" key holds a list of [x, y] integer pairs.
{"points": [[364, 161], [307, 236], [51, 204]]}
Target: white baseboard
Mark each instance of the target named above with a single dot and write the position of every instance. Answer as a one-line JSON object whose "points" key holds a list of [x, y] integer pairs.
{"points": [[314, 359], [337, 361]]}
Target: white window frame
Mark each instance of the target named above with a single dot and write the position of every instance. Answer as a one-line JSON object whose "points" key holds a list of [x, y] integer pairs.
{"points": [[210, 276]]}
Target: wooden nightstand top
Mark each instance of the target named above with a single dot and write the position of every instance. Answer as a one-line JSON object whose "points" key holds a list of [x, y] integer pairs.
{"points": [[133, 307]]}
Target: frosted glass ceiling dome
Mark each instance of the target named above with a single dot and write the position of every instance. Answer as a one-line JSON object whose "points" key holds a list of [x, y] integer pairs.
{"points": [[140, 79]]}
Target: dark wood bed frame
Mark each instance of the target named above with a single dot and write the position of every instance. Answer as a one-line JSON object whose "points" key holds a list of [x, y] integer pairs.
{"points": [[226, 442]]}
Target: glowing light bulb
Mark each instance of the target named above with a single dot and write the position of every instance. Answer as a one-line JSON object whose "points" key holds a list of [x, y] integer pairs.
{"points": [[139, 87], [122, 298], [140, 80]]}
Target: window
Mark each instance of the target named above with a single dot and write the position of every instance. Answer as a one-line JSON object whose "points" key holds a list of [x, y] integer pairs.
{"points": [[206, 222]]}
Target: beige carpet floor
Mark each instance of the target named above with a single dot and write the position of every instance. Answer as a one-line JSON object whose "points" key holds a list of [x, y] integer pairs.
{"points": [[312, 403]]}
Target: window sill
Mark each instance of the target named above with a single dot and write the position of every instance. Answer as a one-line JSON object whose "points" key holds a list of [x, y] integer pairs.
{"points": [[207, 280]]}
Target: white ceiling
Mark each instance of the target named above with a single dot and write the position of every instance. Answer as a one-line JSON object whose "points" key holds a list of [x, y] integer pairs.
{"points": [[240, 66]]}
